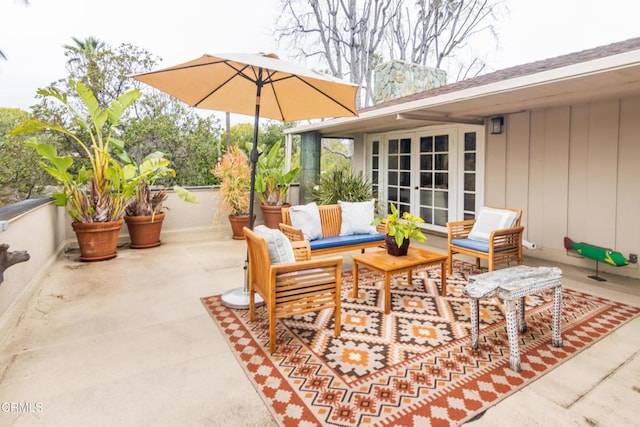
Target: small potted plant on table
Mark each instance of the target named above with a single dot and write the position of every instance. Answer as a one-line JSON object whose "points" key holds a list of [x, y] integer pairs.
{"points": [[400, 229]]}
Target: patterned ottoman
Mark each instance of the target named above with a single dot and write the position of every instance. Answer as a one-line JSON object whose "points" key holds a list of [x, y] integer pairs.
{"points": [[512, 285]]}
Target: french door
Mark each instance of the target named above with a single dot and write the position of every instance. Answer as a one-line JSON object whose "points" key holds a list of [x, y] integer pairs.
{"points": [[435, 173]]}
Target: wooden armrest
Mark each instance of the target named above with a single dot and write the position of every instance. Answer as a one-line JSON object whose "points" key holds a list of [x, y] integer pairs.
{"points": [[313, 264], [460, 229], [505, 232], [292, 233], [301, 249]]}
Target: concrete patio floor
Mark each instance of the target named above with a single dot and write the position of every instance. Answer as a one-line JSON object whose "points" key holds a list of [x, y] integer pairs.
{"points": [[127, 342]]}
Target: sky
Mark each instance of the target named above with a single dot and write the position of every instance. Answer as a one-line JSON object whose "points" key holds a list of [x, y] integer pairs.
{"points": [[32, 37]]}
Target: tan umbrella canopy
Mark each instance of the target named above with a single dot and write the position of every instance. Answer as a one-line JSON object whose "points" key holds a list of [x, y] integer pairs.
{"points": [[230, 82], [259, 85]]}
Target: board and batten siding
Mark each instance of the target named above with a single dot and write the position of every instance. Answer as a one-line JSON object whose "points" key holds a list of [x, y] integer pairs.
{"points": [[574, 171]]}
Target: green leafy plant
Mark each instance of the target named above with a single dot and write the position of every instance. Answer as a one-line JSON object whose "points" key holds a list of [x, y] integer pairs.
{"points": [[341, 185], [146, 202], [403, 226], [234, 172], [272, 185], [99, 193]]}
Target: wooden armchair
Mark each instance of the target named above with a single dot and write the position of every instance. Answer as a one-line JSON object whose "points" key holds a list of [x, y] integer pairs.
{"points": [[502, 245], [293, 288]]}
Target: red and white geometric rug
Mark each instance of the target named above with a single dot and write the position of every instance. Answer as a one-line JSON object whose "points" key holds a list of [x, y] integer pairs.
{"points": [[413, 366]]}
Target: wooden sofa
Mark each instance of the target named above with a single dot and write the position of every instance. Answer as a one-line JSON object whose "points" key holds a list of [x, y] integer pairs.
{"points": [[503, 246], [331, 241]]}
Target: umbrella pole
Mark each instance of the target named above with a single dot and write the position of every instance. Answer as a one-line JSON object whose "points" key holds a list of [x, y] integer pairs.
{"points": [[239, 298]]}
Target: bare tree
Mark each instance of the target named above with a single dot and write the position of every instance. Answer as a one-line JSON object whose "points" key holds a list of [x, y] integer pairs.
{"points": [[351, 37]]}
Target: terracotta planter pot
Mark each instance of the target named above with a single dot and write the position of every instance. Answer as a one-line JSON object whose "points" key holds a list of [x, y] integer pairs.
{"points": [[144, 231], [237, 222], [272, 215], [98, 241], [393, 248]]}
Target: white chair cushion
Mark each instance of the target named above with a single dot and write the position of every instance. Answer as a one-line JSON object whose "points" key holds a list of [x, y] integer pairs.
{"points": [[491, 219], [357, 217], [279, 246], [307, 218]]}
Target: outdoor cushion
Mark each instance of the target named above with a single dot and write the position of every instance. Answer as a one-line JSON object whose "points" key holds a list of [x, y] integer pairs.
{"points": [[278, 245], [357, 217], [330, 242], [307, 218], [475, 245], [491, 219]]}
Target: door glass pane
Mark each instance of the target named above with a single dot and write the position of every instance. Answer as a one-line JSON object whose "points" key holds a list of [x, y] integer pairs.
{"points": [[442, 143], [469, 182], [405, 145], [393, 162], [393, 146], [442, 162], [426, 162], [426, 179], [470, 175], [469, 161], [405, 179], [393, 178], [441, 199], [470, 141], [426, 144]]}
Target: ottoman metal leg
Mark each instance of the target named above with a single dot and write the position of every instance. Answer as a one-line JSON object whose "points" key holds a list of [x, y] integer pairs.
{"points": [[522, 323], [512, 332], [475, 320], [557, 313]]}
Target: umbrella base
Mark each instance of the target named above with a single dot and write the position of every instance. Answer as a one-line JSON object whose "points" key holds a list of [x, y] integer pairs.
{"points": [[239, 299]]}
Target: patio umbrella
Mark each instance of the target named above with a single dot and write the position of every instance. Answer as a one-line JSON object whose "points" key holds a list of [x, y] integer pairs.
{"points": [[260, 85]]}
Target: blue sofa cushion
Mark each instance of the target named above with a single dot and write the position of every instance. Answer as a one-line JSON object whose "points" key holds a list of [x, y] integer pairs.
{"points": [[471, 244], [332, 242]]}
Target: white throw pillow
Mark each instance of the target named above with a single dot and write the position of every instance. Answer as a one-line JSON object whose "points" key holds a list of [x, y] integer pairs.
{"points": [[357, 217], [307, 218], [279, 246], [491, 219]]}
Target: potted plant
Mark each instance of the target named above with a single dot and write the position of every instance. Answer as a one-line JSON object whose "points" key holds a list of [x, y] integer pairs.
{"points": [[144, 213], [400, 229], [234, 172], [95, 196], [272, 185]]}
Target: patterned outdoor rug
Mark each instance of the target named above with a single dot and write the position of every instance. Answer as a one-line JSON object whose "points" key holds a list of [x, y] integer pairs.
{"points": [[413, 366]]}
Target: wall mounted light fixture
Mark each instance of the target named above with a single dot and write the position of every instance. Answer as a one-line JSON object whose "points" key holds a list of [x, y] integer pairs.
{"points": [[496, 125]]}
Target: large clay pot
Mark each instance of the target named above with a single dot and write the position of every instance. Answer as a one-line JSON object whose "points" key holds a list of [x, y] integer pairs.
{"points": [[98, 241], [393, 248], [144, 231], [272, 215], [237, 222]]}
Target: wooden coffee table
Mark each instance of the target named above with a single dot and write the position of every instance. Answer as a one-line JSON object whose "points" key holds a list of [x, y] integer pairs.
{"points": [[388, 264]]}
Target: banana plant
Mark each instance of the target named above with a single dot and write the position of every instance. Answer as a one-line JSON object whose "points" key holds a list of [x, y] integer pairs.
{"points": [[98, 193], [272, 185]]}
